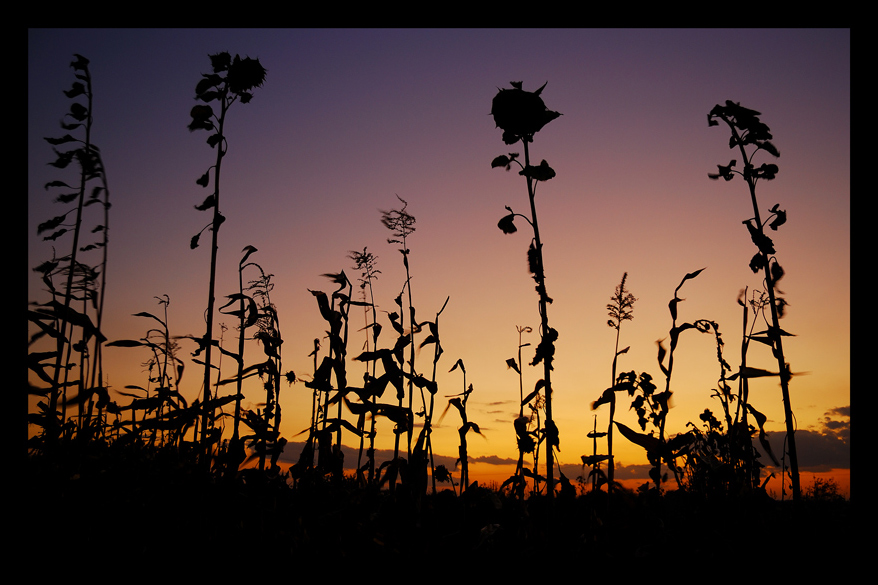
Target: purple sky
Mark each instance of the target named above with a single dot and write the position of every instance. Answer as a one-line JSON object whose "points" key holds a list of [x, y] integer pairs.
{"points": [[347, 119]]}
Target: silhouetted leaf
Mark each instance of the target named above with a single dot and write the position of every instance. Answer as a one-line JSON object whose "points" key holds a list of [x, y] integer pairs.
{"points": [[767, 171], [51, 224], [763, 436], [539, 386], [510, 363], [769, 148], [605, 398], [543, 172], [546, 348], [661, 357], [779, 219], [126, 343], [689, 276], [150, 315], [63, 140], [648, 442], [500, 161], [506, 224], [724, 171], [589, 460], [763, 242], [200, 115]]}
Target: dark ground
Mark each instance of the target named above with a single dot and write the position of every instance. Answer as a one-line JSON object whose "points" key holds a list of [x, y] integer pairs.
{"points": [[154, 505]]}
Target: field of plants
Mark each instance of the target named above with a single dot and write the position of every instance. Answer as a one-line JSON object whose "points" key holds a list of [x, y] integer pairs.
{"points": [[154, 464]]}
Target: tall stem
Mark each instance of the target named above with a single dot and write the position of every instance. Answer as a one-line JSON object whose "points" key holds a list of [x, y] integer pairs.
{"points": [[775, 321], [544, 323], [217, 220], [611, 467], [85, 157]]}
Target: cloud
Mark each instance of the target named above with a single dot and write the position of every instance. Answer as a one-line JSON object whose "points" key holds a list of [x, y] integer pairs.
{"points": [[824, 448], [493, 460]]}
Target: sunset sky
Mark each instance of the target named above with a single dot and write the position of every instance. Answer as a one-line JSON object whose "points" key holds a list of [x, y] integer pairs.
{"points": [[348, 120]]}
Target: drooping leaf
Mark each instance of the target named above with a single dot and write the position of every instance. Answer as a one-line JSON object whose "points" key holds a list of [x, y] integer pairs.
{"points": [[537, 387], [589, 460], [125, 343], [605, 398], [209, 202], [763, 436], [661, 357], [542, 172], [501, 161], [507, 225], [648, 442], [248, 250], [150, 315], [779, 219], [51, 224]]}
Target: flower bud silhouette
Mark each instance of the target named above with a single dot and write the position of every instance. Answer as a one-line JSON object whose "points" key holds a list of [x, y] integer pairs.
{"points": [[520, 114]]}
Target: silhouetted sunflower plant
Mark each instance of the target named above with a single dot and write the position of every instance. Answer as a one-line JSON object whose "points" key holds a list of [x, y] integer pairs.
{"points": [[521, 114], [75, 363], [749, 133], [231, 80]]}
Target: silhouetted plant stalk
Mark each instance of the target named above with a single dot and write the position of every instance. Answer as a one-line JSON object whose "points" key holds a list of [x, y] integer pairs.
{"points": [[459, 402], [268, 334], [432, 388], [231, 80], [255, 309], [55, 317], [526, 439], [718, 463], [365, 262], [747, 131], [751, 467], [402, 225], [620, 309], [596, 474], [173, 415], [521, 114], [662, 400], [305, 465], [658, 449], [329, 455]]}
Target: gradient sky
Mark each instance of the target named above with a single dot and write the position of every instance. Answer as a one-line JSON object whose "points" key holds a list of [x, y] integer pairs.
{"points": [[348, 119]]}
